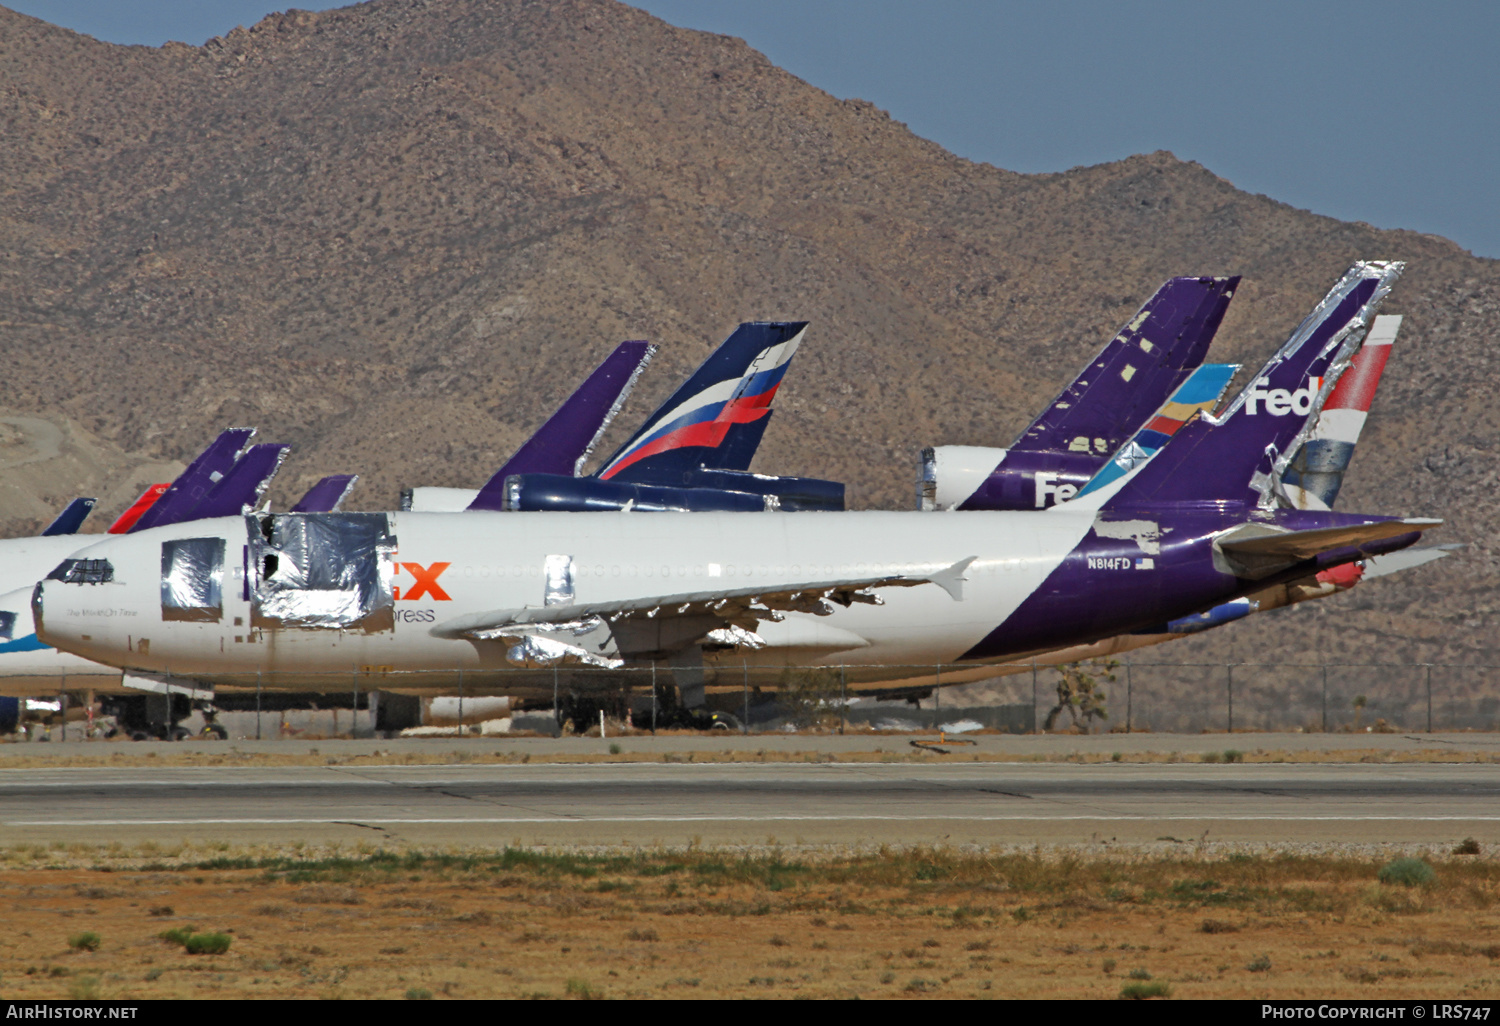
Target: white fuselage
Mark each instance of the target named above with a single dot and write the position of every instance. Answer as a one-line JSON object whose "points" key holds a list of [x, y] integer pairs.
{"points": [[496, 561]]}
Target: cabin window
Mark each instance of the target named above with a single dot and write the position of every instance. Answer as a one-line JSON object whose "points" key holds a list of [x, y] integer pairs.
{"points": [[192, 579], [83, 571]]}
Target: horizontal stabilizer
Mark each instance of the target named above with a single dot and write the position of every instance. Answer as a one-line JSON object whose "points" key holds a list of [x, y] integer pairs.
{"points": [[1254, 551], [1406, 559]]}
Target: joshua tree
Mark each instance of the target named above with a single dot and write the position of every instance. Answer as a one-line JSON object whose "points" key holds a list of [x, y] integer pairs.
{"points": [[1080, 693]]}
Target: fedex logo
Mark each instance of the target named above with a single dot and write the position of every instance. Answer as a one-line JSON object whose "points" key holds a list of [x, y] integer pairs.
{"points": [[1279, 402], [1047, 487], [426, 586]]}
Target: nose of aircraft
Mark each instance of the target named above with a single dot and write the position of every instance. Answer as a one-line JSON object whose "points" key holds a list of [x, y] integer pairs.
{"points": [[57, 622]]}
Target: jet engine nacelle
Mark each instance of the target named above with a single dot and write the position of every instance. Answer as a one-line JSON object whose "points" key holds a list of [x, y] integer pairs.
{"points": [[432, 499], [556, 493], [792, 493], [949, 474]]}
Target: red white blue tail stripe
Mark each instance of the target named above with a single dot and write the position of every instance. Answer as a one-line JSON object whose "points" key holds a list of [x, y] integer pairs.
{"points": [[735, 386]]}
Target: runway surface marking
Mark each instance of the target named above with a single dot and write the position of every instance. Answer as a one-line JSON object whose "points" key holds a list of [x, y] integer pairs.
{"points": [[560, 819]]}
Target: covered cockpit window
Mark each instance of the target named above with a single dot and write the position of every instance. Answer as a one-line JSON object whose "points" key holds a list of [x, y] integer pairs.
{"points": [[330, 570], [83, 571], [192, 579], [7, 625]]}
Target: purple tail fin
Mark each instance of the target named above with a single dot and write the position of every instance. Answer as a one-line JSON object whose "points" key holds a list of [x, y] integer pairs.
{"points": [[327, 495], [239, 491], [1238, 456], [561, 445], [1136, 372], [194, 483], [70, 519]]}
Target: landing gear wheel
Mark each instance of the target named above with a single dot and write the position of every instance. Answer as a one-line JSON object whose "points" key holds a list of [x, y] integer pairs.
{"points": [[180, 733], [215, 732], [140, 735], [722, 721]]}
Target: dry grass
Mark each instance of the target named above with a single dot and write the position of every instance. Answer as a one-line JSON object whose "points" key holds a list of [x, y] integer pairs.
{"points": [[917, 922]]}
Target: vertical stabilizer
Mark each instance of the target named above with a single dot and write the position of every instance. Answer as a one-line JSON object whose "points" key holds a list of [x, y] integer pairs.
{"points": [[1240, 455], [148, 498], [240, 490], [564, 442], [70, 519], [1200, 393], [734, 386], [1135, 372], [327, 495], [1316, 472], [194, 483]]}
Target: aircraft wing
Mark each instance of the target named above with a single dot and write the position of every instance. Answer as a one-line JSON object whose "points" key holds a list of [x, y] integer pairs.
{"points": [[1254, 551], [597, 633]]}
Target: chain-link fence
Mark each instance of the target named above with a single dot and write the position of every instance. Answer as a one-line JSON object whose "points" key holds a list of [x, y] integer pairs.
{"points": [[1094, 697]]}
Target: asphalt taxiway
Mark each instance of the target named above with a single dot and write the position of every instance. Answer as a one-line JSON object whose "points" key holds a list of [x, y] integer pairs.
{"points": [[749, 803]]}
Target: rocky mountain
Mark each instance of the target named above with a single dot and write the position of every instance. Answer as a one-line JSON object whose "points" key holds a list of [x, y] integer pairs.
{"points": [[397, 234]]}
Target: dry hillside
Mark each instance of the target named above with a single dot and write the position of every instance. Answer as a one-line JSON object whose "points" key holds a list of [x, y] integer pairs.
{"points": [[396, 234]]}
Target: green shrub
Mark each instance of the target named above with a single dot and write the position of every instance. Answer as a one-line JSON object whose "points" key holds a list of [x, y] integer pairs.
{"points": [[1139, 974], [615, 749], [579, 988], [1262, 964], [1407, 871], [207, 943], [1233, 755], [418, 994], [1141, 991], [84, 988], [1468, 846], [197, 943], [86, 941]]}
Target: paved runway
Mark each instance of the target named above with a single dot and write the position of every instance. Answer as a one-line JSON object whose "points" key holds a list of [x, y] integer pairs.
{"points": [[745, 803]]}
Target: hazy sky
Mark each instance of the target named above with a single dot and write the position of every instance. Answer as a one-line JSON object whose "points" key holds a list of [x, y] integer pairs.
{"points": [[1378, 111]]}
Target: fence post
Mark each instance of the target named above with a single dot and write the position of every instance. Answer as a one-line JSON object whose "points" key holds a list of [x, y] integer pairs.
{"points": [[843, 697], [461, 700], [557, 711], [62, 706], [1325, 698], [1036, 727], [1129, 686], [257, 705], [1429, 698], [1229, 682], [354, 712], [653, 697], [745, 723]]}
